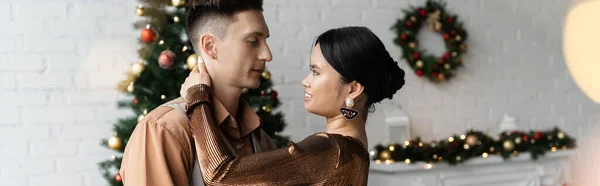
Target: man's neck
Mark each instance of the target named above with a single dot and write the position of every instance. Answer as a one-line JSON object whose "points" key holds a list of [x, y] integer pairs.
{"points": [[229, 96]]}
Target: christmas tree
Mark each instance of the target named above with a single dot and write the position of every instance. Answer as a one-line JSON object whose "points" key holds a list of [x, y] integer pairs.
{"points": [[166, 57]]}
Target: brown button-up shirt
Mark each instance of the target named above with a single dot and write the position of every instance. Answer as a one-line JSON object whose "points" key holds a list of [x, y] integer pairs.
{"points": [[160, 151]]}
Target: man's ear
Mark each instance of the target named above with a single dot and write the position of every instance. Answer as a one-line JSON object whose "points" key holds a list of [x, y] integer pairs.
{"points": [[207, 42]]}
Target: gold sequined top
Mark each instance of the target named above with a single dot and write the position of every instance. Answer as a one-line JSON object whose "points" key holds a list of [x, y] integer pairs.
{"points": [[320, 159]]}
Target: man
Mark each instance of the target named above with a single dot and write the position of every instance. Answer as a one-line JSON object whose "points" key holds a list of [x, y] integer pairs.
{"points": [[230, 37]]}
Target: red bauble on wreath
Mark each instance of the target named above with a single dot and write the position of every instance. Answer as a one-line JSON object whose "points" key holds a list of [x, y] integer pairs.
{"points": [[433, 14]]}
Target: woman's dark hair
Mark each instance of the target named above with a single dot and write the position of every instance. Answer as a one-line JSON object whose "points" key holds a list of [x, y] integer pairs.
{"points": [[358, 55]]}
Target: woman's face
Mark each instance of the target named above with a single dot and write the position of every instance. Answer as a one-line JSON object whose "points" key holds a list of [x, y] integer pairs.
{"points": [[324, 93]]}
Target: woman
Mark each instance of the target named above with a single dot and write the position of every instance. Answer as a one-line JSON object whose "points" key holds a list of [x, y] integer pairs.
{"points": [[350, 71]]}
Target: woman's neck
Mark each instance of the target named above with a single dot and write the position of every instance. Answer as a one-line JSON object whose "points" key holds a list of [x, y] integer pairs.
{"points": [[353, 128]]}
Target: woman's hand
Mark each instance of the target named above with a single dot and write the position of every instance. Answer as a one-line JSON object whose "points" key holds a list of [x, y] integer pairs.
{"points": [[198, 75]]}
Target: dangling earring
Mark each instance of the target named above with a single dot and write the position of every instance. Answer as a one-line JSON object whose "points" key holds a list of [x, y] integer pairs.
{"points": [[349, 113]]}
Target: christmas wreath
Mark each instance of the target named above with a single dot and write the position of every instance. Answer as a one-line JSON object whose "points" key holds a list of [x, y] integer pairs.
{"points": [[434, 15]]}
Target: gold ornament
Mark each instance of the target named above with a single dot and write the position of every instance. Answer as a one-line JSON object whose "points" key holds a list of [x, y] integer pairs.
{"points": [[413, 19], [178, 3], [492, 149], [472, 139], [140, 10], [123, 86], [441, 77], [515, 153], [458, 38], [508, 145], [244, 90], [192, 61], [115, 143], [266, 74], [437, 26], [137, 68], [130, 88], [385, 155], [176, 19], [163, 97], [412, 45], [454, 54], [433, 19], [447, 66], [466, 147], [419, 63], [463, 47], [267, 108], [560, 135], [161, 42], [518, 140], [185, 48]]}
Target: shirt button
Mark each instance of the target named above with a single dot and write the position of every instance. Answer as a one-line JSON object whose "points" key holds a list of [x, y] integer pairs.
{"points": [[239, 146]]}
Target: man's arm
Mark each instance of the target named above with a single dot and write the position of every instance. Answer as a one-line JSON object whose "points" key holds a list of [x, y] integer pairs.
{"points": [[156, 155]]}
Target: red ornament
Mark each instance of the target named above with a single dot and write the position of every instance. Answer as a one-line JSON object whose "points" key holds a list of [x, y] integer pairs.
{"points": [[525, 138], [446, 36], [419, 73], [135, 100], [455, 144], [422, 12], [538, 135], [403, 37], [166, 59], [435, 74], [450, 20], [118, 178], [447, 55], [416, 55], [441, 61], [453, 32], [148, 36], [273, 95], [409, 24]]}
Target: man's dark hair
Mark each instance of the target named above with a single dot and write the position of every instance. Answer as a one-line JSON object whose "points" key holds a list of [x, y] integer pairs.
{"points": [[213, 16]]}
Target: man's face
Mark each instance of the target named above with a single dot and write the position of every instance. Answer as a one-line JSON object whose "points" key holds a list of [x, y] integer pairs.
{"points": [[243, 51]]}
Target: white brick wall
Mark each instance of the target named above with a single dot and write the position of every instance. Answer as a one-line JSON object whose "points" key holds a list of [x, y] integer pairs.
{"points": [[60, 61]]}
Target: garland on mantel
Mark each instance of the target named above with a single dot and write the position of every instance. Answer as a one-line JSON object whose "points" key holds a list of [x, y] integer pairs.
{"points": [[458, 149]]}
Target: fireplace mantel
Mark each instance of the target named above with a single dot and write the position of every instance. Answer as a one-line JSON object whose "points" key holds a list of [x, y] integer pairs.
{"points": [[551, 169]]}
